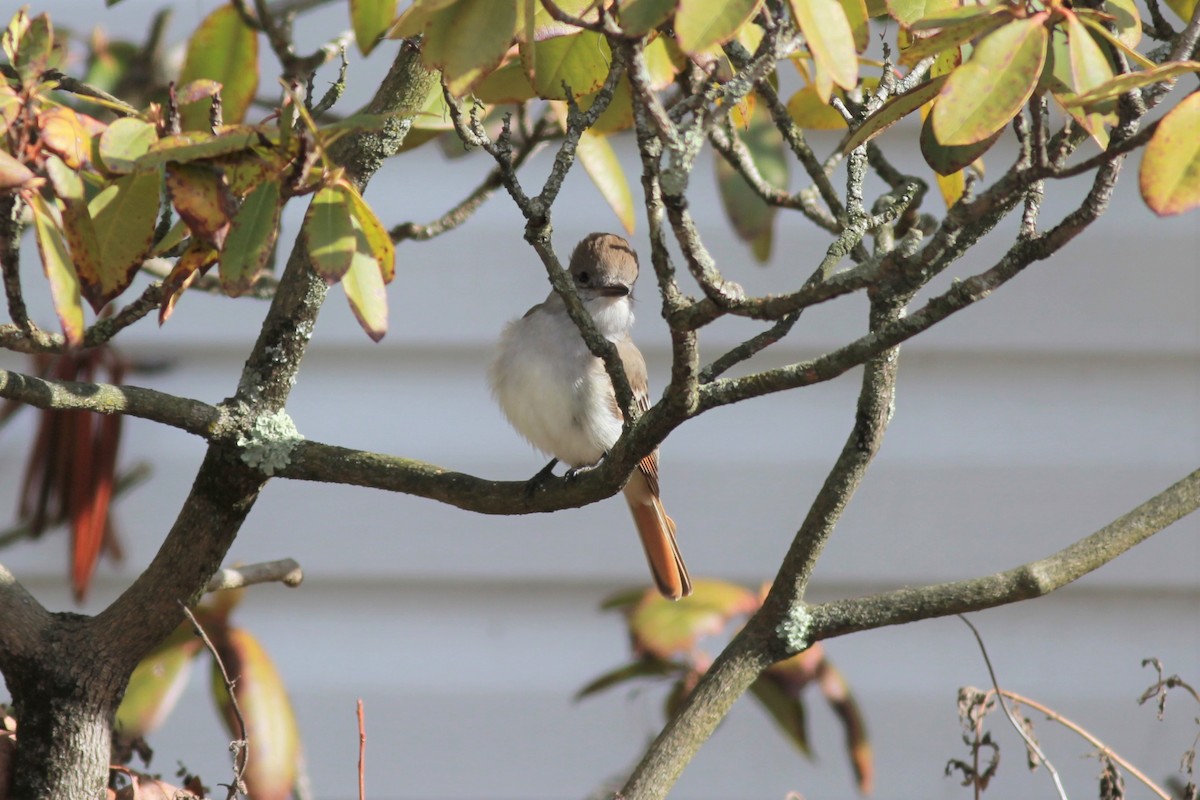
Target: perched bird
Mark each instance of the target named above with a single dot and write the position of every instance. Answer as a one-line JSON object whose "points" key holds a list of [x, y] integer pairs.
{"points": [[559, 396]]}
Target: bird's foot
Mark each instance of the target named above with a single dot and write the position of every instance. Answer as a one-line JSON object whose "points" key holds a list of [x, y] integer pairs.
{"points": [[543, 475], [575, 472]]}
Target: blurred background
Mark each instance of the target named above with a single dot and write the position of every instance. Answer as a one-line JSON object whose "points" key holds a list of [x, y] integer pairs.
{"points": [[1022, 424]]}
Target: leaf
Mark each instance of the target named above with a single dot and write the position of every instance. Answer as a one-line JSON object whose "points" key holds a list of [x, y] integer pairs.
{"points": [[701, 24], [753, 219], [124, 141], [379, 242], [785, 709], [809, 112], [329, 234], [225, 50], [123, 215], [1111, 90], [646, 667], [954, 35], [579, 61], [508, 84], [664, 628], [829, 38], [364, 287], [63, 132], [202, 198], [468, 39], [604, 168], [34, 44], [951, 187], [982, 95], [1170, 173], [856, 15], [80, 234], [1100, 29], [908, 12], [13, 173], [1127, 20], [370, 18], [197, 145], [251, 238], [1184, 8], [270, 722], [892, 111], [194, 262], [1089, 66], [947, 160], [60, 273], [156, 684], [639, 17]]}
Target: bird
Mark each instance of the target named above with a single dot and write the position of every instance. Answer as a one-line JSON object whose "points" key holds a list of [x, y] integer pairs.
{"points": [[559, 396]]}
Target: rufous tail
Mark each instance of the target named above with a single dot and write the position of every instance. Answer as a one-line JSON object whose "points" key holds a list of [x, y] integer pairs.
{"points": [[657, 532]]}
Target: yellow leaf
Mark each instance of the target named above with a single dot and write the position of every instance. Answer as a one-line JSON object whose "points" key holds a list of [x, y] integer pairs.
{"points": [[1170, 173], [829, 38]]}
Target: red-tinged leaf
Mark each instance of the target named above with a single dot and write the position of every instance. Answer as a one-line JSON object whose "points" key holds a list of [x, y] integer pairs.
{"points": [[270, 722], [14, 174], [947, 160], [93, 520], [85, 537], [787, 710], [664, 628], [579, 61], [329, 234], [701, 24], [124, 142], [225, 50], [379, 242], [806, 108], [60, 272], [909, 12], [952, 36], [1089, 65], [371, 18], [82, 239], [1170, 173], [981, 96], [468, 39], [1121, 84], [251, 238], [639, 17], [156, 684], [197, 90], [895, 109], [829, 38], [364, 287], [647, 667], [63, 132], [202, 198], [858, 747], [194, 262], [123, 216], [34, 44]]}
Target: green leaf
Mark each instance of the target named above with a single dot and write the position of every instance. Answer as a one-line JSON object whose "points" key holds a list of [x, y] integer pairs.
{"points": [[251, 238], [365, 290], [982, 95], [664, 627], [856, 15], [81, 235], [580, 61], [753, 219], [123, 215], [124, 141], [811, 113], [947, 160], [892, 111], [508, 84], [647, 667], [34, 45], [639, 17], [197, 145], [604, 168], [468, 39], [785, 709], [1127, 20], [371, 18], [1100, 28], [701, 24], [1170, 174], [378, 241], [954, 35], [156, 684], [1121, 84], [909, 12], [329, 234], [225, 50], [1089, 66], [60, 272], [829, 38]]}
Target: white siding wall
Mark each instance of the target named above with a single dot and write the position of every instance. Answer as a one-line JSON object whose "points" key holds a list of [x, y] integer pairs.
{"points": [[1023, 423]]}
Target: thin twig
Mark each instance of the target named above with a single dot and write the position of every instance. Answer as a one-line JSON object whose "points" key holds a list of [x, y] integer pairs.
{"points": [[286, 571], [1012, 718], [241, 746], [362, 753]]}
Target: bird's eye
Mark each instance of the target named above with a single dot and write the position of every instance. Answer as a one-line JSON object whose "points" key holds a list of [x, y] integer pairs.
{"points": [[584, 277]]}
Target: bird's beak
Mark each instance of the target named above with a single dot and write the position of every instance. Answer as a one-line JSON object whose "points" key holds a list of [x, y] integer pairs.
{"points": [[616, 290]]}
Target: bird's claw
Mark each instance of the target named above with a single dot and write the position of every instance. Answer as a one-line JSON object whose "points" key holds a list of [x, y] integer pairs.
{"points": [[575, 472], [544, 474]]}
